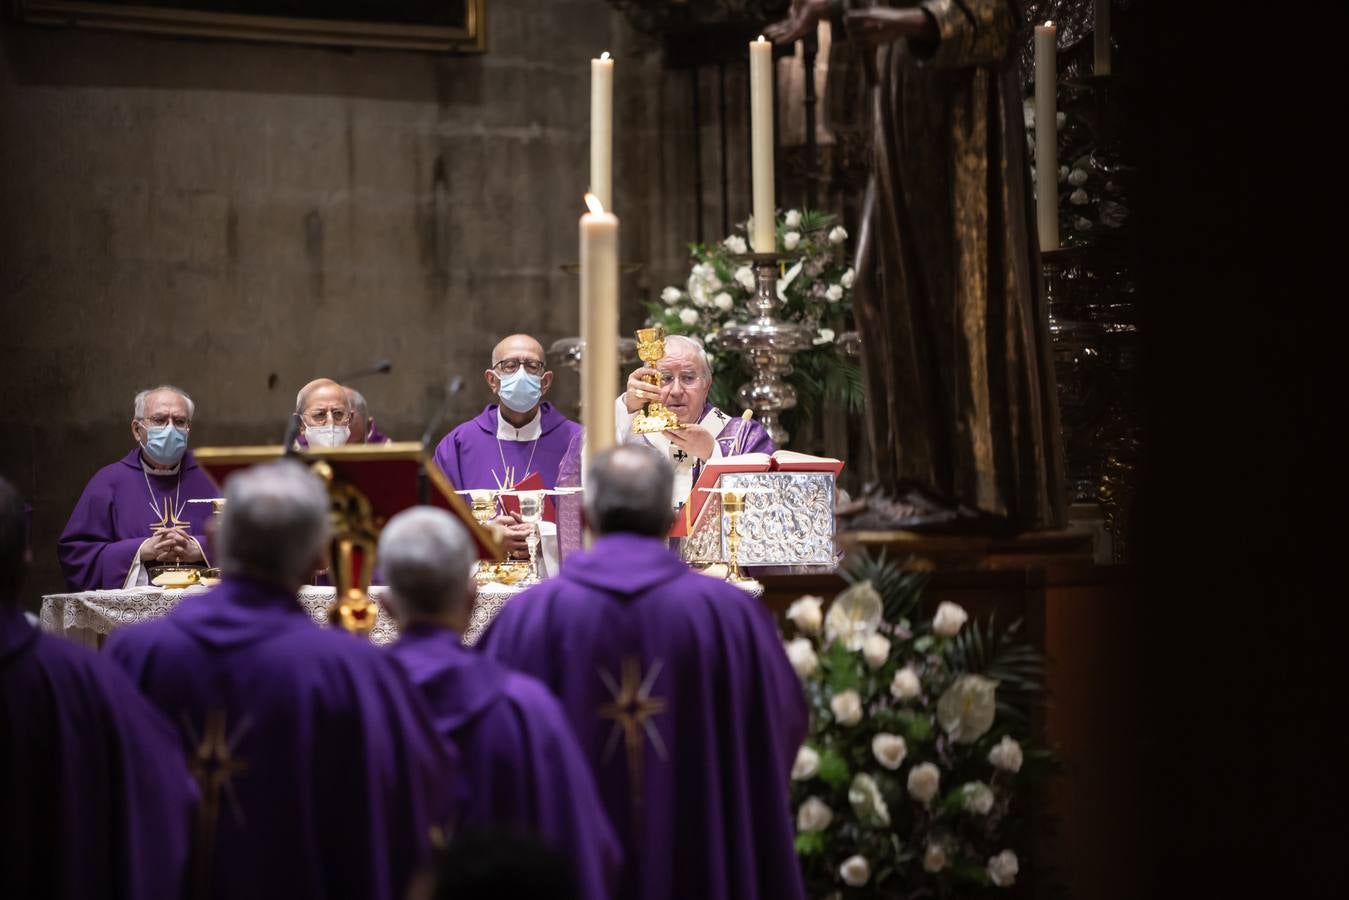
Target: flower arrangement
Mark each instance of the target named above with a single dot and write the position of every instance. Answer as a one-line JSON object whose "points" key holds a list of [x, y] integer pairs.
{"points": [[1090, 190], [917, 749], [815, 290]]}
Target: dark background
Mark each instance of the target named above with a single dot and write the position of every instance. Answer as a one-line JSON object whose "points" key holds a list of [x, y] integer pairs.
{"points": [[441, 13]]}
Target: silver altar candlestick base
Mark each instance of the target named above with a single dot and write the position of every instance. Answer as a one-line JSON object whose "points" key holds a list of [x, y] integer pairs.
{"points": [[767, 343]]}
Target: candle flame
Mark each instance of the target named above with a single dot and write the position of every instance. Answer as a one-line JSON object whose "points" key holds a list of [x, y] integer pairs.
{"points": [[604, 55], [761, 40], [1049, 24], [594, 203]]}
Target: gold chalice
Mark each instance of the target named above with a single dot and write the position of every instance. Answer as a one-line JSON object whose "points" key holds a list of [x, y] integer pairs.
{"points": [[654, 417], [733, 503]]}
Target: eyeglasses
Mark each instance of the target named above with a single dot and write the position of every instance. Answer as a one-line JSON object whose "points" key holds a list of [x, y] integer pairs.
{"points": [[686, 379], [511, 366], [338, 415], [180, 422]]}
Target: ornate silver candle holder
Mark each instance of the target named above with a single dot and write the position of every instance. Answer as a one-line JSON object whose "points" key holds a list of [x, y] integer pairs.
{"points": [[767, 343]]}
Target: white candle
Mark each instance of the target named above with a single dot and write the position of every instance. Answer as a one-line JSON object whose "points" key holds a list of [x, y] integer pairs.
{"points": [[599, 326], [1046, 138], [1101, 40], [602, 129], [764, 237]]}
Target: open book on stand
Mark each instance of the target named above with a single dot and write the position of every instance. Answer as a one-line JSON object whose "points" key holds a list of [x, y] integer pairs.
{"points": [[778, 461]]}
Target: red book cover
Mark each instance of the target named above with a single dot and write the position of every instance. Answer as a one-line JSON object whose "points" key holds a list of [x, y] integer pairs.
{"points": [[531, 482]]}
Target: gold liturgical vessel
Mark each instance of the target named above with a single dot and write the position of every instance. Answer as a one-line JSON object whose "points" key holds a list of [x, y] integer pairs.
{"points": [[654, 417]]}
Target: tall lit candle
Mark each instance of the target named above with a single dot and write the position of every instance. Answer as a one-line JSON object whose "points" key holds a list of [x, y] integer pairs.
{"points": [[1046, 138], [763, 239], [1101, 39], [599, 326], [602, 129]]}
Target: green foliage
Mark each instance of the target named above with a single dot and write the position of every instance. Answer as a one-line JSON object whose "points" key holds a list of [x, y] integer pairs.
{"points": [[834, 770]]}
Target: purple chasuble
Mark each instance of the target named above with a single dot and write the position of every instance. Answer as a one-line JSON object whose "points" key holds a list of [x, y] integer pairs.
{"points": [[755, 437], [330, 774], [522, 768], [113, 517], [374, 436], [471, 455], [95, 797], [681, 695]]}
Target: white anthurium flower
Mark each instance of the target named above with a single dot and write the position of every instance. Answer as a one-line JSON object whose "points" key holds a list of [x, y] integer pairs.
{"points": [[736, 244], [855, 871], [1077, 177], [1079, 197], [807, 764], [713, 283], [723, 301], [791, 240], [976, 797], [934, 858], [848, 278], [966, 710], [814, 815], [786, 281], [876, 647], [688, 316], [949, 619], [792, 219], [698, 289], [806, 613], [889, 750], [801, 654], [834, 293], [924, 782], [847, 708], [838, 234], [826, 336], [855, 614], [1006, 755], [744, 276], [864, 795], [1003, 868], [905, 685], [670, 295]]}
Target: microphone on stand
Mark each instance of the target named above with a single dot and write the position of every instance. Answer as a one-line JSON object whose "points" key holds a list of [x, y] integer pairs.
{"points": [[381, 367], [452, 387]]}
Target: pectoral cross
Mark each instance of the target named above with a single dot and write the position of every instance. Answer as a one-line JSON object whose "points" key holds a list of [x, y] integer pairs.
{"points": [[213, 765], [680, 455], [168, 518], [632, 709]]}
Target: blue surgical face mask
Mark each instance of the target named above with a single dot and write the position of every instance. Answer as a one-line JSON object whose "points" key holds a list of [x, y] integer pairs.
{"points": [[520, 390], [165, 444]]}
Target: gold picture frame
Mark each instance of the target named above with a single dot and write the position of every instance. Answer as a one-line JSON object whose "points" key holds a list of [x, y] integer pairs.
{"points": [[455, 33]]}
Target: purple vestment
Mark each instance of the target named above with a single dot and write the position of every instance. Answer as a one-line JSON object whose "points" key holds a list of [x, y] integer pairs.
{"points": [[471, 456], [680, 693], [523, 770], [113, 517], [95, 796], [335, 775]]}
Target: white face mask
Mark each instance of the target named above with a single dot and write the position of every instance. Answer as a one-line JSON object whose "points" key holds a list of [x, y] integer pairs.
{"points": [[327, 435]]}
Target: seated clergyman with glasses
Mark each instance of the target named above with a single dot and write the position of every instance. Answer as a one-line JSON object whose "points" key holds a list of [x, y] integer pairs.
{"points": [[513, 438], [135, 515], [685, 376], [324, 410]]}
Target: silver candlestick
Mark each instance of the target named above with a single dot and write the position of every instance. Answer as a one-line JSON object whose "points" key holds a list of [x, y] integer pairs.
{"points": [[767, 343]]}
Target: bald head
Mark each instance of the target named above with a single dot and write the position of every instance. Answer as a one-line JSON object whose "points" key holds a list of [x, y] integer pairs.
{"points": [[519, 345], [628, 490], [425, 555], [327, 386]]}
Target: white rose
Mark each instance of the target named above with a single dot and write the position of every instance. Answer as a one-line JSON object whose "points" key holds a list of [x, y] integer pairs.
{"points": [[838, 234], [864, 795], [791, 240], [702, 270], [1077, 177], [967, 709], [976, 797], [826, 336], [1059, 119], [847, 707], [688, 316], [834, 293], [807, 764], [806, 614], [905, 685], [876, 648], [735, 243], [924, 782], [802, 657], [670, 295], [744, 276], [813, 815], [1006, 755], [949, 618], [934, 858], [1079, 197], [722, 301], [855, 871], [889, 750], [848, 278], [792, 219], [1002, 868], [1028, 112]]}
